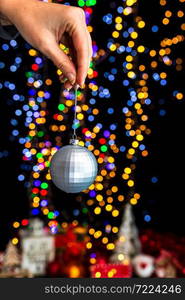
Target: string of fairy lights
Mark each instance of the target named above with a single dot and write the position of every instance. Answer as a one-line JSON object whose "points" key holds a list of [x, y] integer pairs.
{"points": [[127, 55]]}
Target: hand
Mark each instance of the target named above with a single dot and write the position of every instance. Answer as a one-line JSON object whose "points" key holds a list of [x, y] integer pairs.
{"points": [[45, 25]]}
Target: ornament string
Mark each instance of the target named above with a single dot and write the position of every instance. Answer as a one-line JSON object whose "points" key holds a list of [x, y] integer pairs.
{"points": [[75, 108]]}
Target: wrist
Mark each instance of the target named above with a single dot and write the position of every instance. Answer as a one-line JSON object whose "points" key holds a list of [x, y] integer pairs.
{"points": [[5, 5], [5, 11], [3, 8], [8, 8]]}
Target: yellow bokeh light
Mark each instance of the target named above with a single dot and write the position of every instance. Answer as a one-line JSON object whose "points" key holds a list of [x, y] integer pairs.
{"points": [[69, 103], [129, 58], [125, 176], [103, 172], [165, 21], [99, 186], [97, 274], [16, 224], [119, 26], [97, 210], [134, 35], [140, 49], [114, 189], [115, 34], [139, 137], [135, 144], [137, 196], [180, 13], [110, 274], [111, 159], [131, 44], [74, 272], [92, 261], [168, 13], [129, 66], [179, 96], [36, 199], [99, 197], [85, 107], [115, 229], [127, 170], [133, 201], [110, 246], [130, 183], [36, 175], [141, 24], [100, 160], [131, 74], [15, 241], [41, 94], [127, 11], [96, 152], [113, 47], [118, 20], [32, 52], [48, 81], [108, 207], [45, 211], [130, 2], [91, 231], [131, 151], [120, 198], [115, 213], [97, 234], [105, 240], [80, 116], [90, 28]]}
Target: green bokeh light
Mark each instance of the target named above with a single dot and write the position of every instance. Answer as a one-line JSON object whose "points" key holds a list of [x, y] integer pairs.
{"points": [[103, 148]]}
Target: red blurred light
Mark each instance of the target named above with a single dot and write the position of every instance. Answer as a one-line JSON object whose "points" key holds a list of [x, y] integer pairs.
{"points": [[35, 191], [84, 130], [24, 222], [43, 192], [35, 67], [102, 141]]}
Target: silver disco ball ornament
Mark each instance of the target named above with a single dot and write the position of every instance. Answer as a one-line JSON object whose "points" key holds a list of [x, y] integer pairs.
{"points": [[73, 168]]}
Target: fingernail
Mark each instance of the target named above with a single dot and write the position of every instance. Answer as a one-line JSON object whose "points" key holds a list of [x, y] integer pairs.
{"points": [[63, 80], [83, 81], [76, 86], [82, 86], [67, 86], [71, 77]]}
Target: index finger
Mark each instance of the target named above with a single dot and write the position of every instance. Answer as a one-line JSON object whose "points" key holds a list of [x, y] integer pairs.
{"points": [[81, 45]]}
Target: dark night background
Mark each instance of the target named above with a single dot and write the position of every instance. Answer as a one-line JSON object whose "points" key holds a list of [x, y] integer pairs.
{"points": [[164, 200]]}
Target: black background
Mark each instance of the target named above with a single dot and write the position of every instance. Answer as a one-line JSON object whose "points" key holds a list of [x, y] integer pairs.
{"points": [[164, 201]]}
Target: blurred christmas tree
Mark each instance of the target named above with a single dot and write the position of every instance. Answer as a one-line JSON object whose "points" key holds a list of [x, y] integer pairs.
{"points": [[128, 243], [12, 259]]}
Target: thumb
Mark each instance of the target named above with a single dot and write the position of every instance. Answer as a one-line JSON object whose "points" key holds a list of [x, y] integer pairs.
{"points": [[62, 61]]}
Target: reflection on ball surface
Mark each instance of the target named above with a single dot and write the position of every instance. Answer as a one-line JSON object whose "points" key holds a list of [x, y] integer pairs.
{"points": [[73, 168]]}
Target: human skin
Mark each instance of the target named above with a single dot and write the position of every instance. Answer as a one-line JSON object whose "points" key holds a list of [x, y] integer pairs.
{"points": [[45, 25]]}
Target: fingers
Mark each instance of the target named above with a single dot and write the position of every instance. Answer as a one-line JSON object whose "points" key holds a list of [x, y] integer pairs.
{"points": [[61, 60], [75, 69], [90, 46], [74, 56], [82, 44]]}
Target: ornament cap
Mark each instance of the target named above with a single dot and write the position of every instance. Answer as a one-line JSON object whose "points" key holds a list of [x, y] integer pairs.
{"points": [[73, 142]]}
